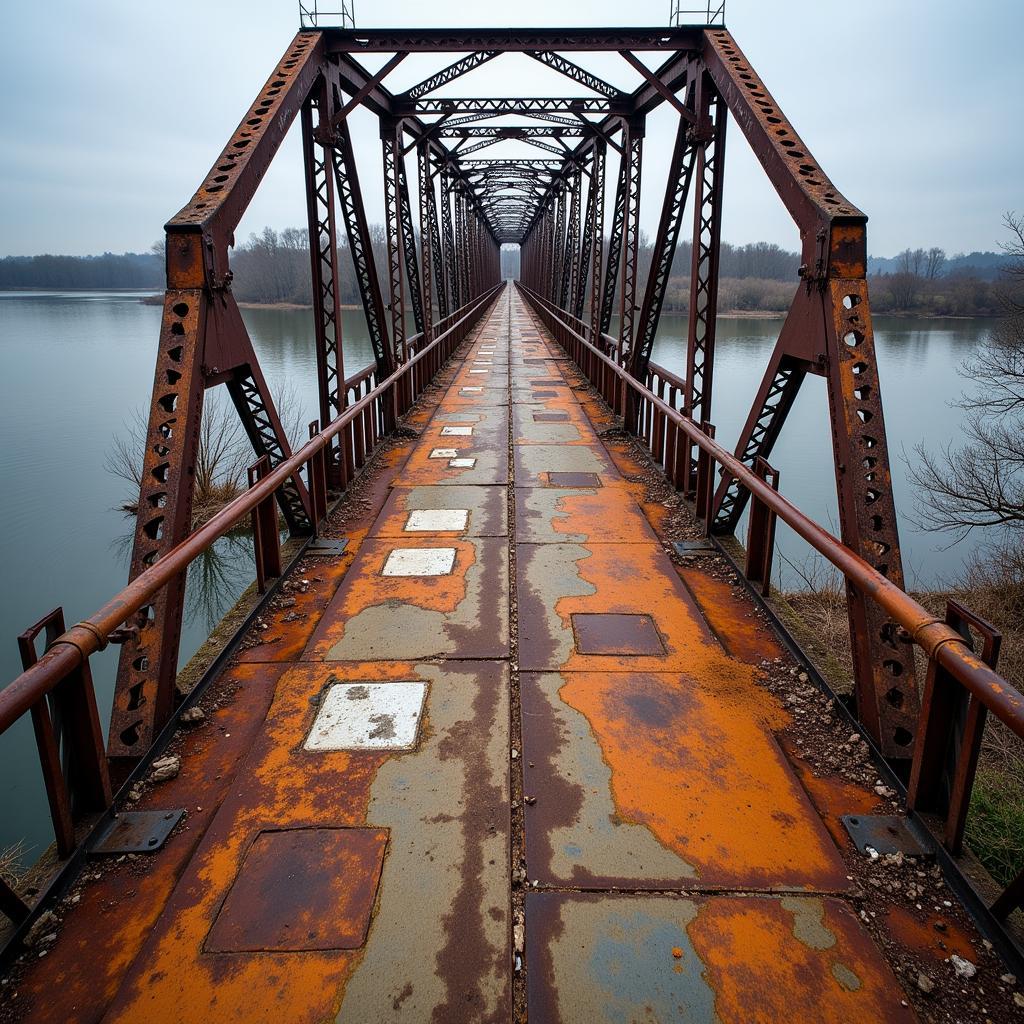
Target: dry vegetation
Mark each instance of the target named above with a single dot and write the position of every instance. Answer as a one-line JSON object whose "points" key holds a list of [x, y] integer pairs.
{"points": [[992, 586]]}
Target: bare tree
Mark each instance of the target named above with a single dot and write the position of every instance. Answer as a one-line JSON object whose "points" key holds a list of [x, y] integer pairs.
{"points": [[980, 481], [934, 262]]}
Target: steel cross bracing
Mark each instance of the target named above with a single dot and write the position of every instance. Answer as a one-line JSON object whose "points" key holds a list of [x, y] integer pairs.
{"points": [[445, 219]]}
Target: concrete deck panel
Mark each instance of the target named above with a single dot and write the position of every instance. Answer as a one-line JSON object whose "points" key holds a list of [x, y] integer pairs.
{"points": [[731, 960], [461, 614], [487, 508]]}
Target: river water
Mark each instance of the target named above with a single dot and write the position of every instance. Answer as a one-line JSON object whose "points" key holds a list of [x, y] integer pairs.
{"points": [[76, 367]]}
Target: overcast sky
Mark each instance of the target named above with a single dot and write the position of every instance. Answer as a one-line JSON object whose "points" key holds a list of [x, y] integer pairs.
{"points": [[114, 110]]}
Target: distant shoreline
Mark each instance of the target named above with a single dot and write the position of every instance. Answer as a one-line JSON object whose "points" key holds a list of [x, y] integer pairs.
{"points": [[149, 298]]}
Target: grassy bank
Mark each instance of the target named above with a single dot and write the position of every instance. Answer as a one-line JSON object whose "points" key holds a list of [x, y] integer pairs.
{"points": [[993, 588]]}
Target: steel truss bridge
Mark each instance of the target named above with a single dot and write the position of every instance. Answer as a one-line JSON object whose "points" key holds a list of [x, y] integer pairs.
{"points": [[560, 177]]}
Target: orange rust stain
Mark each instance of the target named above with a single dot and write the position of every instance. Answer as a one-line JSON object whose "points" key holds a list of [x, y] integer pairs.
{"points": [[918, 932], [832, 795], [731, 615], [116, 914], [279, 787], [641, 584], [365, 587], [761, 972], [589, 512], [692, 759]]}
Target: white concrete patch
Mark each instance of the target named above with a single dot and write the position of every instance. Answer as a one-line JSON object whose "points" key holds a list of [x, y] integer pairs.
{"points": [[432, 520], [456, 431], [419, 562], [462, 463], [368, 716], [444, 453], [479, 371], [470, 389]]}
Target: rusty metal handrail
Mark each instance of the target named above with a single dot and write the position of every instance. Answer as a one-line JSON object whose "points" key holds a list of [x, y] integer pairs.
{"points": [[85, 638], [931, 634]]}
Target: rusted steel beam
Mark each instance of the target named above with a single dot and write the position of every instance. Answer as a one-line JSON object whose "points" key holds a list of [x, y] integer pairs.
{"points": [[323, 249], [597, 187], [638, 65], [361, 246], [677, 188], [426, 205], [391, 148], [706, 248], [517, 132], [450, 286], [231, 359], [887, 699], [200, 234], [611, 271], [449, 74], [387, 40], [412, 269], [148, 664], [502, 105], [948, 747], [570, 255], [832, 229], [799, 350], [434, 261], [367, 87], [632, 163]]}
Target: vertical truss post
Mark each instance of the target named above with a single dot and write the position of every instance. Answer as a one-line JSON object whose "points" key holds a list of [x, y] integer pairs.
{"points": [[391, 146], [558, 254], [712, 115], [412, 270], [265, 538], [611, 270], [597, 188], [632, 153], [447, 216], [436, 255], [148, 664], [360, 244], [570, 263], [887, 698], [323, 249], [428, 220], [677, 188]]}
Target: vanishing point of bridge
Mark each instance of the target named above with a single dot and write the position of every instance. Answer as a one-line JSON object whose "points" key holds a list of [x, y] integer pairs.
{"points": [[508, 729]]}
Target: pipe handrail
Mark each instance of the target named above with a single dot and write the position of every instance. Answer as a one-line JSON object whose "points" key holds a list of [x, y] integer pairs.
{"points": [[930, 633], [85, 638]]}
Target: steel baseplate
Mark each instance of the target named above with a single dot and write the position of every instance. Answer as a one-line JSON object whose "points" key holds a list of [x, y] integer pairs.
{"points": [[884, 834], [137, 832], [326, 547], [694, 547]]}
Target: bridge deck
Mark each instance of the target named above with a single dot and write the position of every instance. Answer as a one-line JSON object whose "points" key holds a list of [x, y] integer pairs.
{"points": [[504, 670]]}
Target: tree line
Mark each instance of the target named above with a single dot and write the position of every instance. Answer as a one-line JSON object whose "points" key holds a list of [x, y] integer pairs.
{"points": [[110, 270], [274, 267]]}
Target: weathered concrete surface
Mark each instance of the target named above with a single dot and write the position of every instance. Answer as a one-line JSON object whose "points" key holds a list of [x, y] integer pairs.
{"points": [[734, 960]]}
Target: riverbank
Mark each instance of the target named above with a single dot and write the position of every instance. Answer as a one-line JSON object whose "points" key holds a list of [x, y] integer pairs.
{"points": [[817, 618]]}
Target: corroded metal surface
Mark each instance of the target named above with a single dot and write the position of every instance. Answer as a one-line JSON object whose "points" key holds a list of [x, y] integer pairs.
{"points": [[734, 960]]}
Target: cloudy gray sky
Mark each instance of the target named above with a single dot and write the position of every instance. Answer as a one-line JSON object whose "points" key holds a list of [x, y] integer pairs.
{"points": [[114, 110]]}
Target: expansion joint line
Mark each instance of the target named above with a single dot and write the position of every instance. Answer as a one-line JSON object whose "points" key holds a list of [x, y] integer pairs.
{"points": [[517, 846]]}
